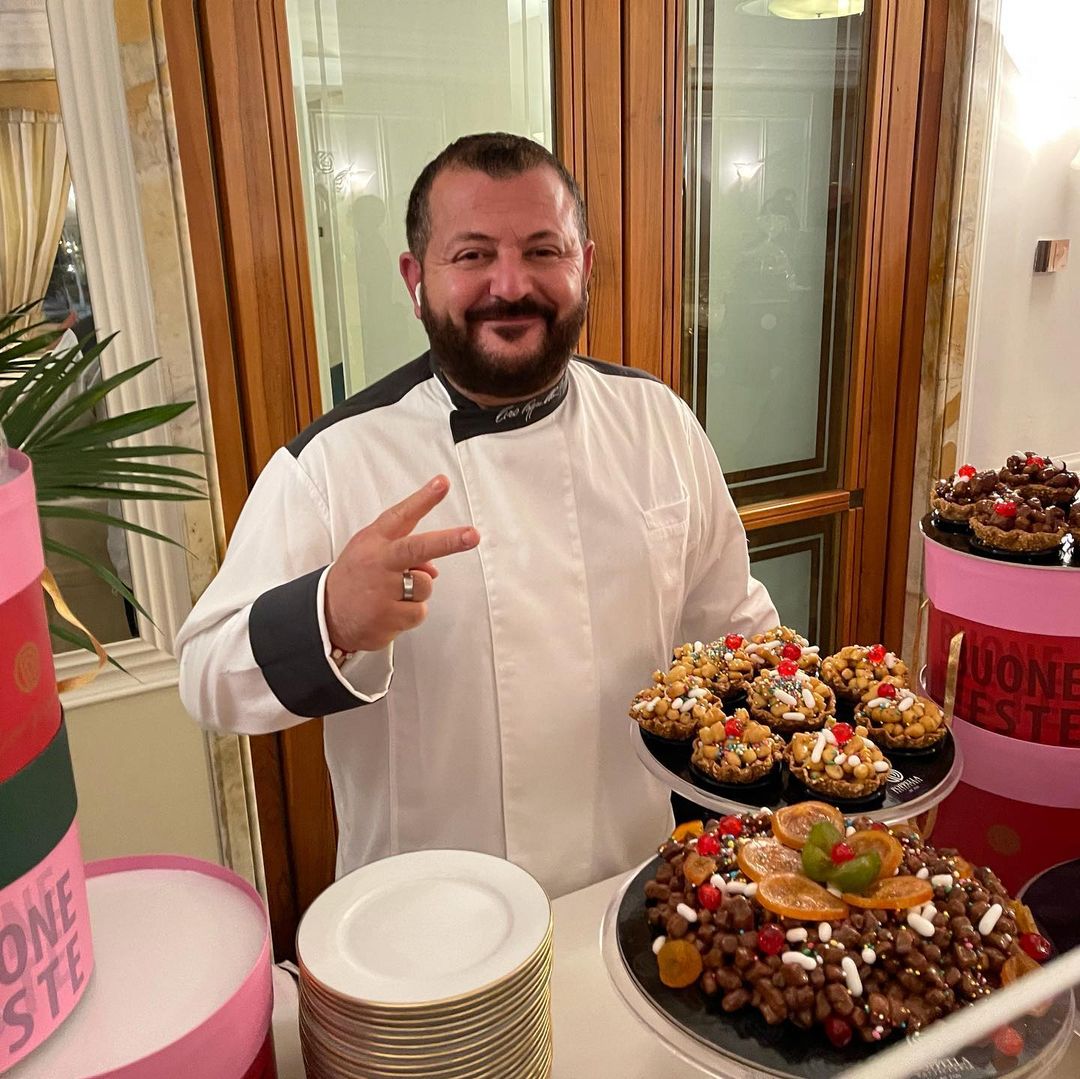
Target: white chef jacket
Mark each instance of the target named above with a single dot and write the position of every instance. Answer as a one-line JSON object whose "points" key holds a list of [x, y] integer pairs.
{"points": [[607, 534]]}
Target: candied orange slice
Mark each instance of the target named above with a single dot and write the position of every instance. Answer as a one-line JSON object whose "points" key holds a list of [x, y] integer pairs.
{"points": [[691, 829], [1025, 920], [763, 855], [886, 846], [792, 824], [697, 869], [893, 893], [794, 896], [1016, 966], [964, 869], [680, 963]]}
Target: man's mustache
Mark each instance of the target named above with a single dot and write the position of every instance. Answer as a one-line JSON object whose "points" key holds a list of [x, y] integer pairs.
{"points": [[506, 309]]}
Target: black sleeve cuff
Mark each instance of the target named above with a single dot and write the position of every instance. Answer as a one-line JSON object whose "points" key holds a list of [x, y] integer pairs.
{"points": [[283, 629]]}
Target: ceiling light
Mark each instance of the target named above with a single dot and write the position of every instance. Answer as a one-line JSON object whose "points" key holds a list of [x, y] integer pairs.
{"points": [[815, 9]]}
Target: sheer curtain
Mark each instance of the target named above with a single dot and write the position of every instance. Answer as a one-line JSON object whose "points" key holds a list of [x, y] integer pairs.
{"points": [[34, 182]]}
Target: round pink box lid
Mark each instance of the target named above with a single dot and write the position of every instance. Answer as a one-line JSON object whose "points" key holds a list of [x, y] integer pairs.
{"points": [[182, 980]]}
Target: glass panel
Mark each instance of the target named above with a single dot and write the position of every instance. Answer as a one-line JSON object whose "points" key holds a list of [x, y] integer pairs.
{"points": [[381, 87], [773, 137], [797, 563]]}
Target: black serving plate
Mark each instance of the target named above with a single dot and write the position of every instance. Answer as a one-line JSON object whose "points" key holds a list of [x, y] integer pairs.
{"points": [[760, 792], [960, 527], [781, 1050], [1065, 555], [912, 776]]}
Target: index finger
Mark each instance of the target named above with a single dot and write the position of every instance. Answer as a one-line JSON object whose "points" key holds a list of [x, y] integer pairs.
{"points": [[409, 551], [400, 520]]}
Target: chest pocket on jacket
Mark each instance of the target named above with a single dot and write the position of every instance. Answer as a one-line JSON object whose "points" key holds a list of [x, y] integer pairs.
{"points": [[665, 536]]}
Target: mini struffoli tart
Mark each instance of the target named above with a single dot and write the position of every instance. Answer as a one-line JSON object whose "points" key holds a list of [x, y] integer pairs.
{"points": [[839, 761], [853, 670], [1074, 528], [675, 706], [724, 664], [1032, 475], [790, 700], [901, 719], [737, 750], [1019, 525], [954, 499], [768, 649]]}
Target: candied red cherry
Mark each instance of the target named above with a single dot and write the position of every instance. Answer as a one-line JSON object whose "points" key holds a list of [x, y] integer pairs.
{"points": [[886, 689], [1005, 509], [1035, 462], [841, 853], [733, 641], [731, 826], [842, 732], [786, 668], [709, 896], [791, 651], [771, 939], [1008, 1042], [838, 1031], [876, 653], [733, 728], [1036, 945], [708, 845], [967, 471]]}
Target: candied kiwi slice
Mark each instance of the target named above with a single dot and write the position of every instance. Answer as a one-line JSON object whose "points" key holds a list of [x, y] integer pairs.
{"points": [[680, 963], [857, 874], [816, 863]]}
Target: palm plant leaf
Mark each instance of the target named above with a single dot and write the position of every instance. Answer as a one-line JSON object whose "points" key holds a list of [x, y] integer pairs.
{"points": [[53, 410], [80, 640]]}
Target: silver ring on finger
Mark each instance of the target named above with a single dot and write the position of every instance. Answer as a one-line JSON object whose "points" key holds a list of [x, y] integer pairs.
{"points": [[407, 586]]}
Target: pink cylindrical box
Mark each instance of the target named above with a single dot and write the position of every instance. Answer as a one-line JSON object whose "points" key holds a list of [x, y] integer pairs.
{"points": [[182, 985]]}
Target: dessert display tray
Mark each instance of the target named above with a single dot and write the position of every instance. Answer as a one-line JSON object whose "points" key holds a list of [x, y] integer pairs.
{"points": [[949, 535], [742, 1045], [917, 782]]}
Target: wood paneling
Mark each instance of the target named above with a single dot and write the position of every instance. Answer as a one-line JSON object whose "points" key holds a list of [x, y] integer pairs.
{"points": [[803, 508]]}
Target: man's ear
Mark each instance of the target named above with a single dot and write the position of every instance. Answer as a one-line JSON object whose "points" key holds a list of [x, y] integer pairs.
{"points": [[587, 259], [411, 273]]}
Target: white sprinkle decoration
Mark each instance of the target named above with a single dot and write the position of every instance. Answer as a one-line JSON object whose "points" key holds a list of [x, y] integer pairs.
{"points": [[677, 703], [751, 890], [658, 944], [718, 881], [923, 874], [687, 705], [890, 660], [920, 924], [819, 747], [905, 704], [772, 646], [928, 911], [698, 692], [869, 956], [824, 932], [990, 919], [687, 912], [736, 887], [881, 766], [833, 890], [839, 759], [794, 715], [698, 646], [850, 830], [942, 880], [878, 702], [796, 935], [640, 704], [807, 962], [830, 737], [784, 697], [851, 976], [812, 649], [808, 697]]}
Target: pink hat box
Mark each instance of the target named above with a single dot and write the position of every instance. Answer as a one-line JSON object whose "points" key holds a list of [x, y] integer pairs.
{"points": [[182, 985], [29, 705], [1017, 708]]}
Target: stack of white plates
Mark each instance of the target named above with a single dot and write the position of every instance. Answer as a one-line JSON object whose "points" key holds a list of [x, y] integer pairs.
{"points": [[435, 963]]}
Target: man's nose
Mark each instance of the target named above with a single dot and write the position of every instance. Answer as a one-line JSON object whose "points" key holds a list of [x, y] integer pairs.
{"points": [[510, 278]]}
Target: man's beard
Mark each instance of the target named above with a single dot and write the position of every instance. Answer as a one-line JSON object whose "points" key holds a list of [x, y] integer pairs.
{"points": [[474, 369]]}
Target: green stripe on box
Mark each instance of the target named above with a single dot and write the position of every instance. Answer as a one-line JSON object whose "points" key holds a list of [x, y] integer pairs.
{"points": [[37, 806]]}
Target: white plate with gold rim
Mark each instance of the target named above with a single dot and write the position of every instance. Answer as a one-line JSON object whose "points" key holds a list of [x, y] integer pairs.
{"points": [[423, 927]]}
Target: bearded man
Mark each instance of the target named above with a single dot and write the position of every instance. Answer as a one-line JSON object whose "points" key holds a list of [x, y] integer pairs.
{"points": [[580, 525]]}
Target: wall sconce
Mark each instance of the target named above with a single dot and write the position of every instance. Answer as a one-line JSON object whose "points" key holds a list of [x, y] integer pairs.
{"points": [[747, 170]]}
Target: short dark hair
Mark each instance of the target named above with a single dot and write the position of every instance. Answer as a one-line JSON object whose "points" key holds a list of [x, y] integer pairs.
{"points": [[496, 154]]}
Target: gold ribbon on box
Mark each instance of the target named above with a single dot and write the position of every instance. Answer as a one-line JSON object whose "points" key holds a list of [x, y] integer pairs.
{"points": [[48, 582]]}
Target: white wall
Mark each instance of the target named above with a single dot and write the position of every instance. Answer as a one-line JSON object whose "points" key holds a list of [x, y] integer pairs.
{"points": [[1023, 386]]}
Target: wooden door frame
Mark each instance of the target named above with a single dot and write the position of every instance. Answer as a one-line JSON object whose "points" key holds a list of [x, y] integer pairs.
{"points": [[619, 130]]}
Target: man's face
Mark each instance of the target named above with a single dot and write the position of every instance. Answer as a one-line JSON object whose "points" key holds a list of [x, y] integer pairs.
{"points": [[504, 280]]}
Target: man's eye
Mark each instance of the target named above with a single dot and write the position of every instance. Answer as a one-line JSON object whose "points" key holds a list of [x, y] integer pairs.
{"points": [[469, 256], [545, 253]]}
